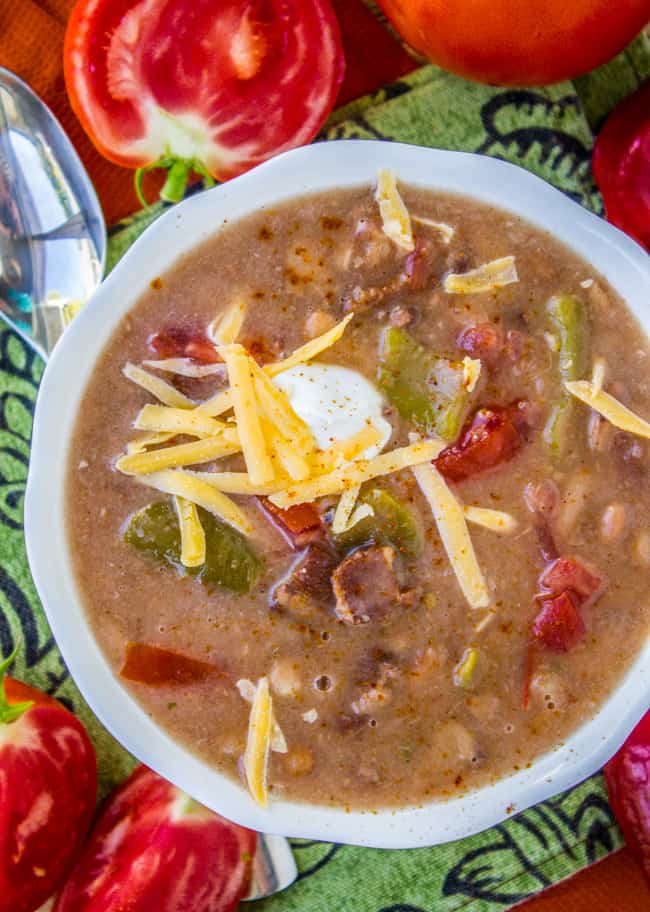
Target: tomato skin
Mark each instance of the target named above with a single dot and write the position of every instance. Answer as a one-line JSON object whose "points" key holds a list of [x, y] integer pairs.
{"points": [[48, 789], [621, 164], [627, 776], [492, 436], [518, 42], [223, 84], [155, 850]]}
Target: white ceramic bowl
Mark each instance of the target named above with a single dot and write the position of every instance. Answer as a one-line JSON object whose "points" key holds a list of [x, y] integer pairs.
{"points": [[313, 168]]}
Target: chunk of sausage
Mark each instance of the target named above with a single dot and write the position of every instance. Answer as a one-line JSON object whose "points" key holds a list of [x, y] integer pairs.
{"points": [[308, 583], [366, 587]]}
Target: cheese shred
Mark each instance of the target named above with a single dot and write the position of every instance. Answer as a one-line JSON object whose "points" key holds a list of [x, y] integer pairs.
{"points": [[610, 408], [192, 533], [356, 473], [190, 487], [225, 328], [181, 454], [450, 519], [165, 392], [164, 419], [486, 277], [495, 520], [256, 455], [310, 349], [258, 743], [395, 218]]}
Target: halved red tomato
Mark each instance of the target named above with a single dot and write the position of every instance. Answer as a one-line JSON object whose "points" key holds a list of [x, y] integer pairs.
{"points": [[48, 787], [154, 849], [214, 86]]}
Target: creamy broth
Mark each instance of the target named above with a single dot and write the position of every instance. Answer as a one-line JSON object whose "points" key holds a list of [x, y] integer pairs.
{"points": [[382, 712]]}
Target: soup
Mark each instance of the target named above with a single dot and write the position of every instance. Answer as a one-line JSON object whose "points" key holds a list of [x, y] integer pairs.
{"points": [[380, 534]]}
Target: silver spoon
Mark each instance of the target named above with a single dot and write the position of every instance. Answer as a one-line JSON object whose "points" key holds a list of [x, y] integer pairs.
{"points": [[52, 253]]}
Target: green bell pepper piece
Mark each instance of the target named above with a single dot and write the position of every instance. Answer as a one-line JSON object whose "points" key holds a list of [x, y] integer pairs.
{"points": [[230, 561], [392, 523], [424, 388], [569, 319]]}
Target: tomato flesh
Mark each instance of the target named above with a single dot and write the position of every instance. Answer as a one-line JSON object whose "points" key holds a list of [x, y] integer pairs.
{"points": [[184, 342], [491, 437], [225, 84], [48, 788], [153, 665], [300, 524], [153, 849], [559, 625]]}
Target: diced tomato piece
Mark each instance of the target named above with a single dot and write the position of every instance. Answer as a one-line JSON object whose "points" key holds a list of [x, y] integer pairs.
{"points": [[491, 437], [572, 574], [153, 665], [628, 786], [559, 625], [299, 524], [184, 342]]}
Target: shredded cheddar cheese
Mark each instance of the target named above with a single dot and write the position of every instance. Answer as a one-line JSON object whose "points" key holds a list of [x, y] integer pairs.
{"points": [[287, 454], [158, 387], [164, 419], [258, 743], [450, 519], [247, 690], [495, 520], [395, 219], [254, 448], [185, 367], [140, 444], [345, 509], [471, 373], [356, 473], [310, 349], [192, 534], [345, 450], [218, 404], [189, 486], [225, 328], [181, 454], [610, 408], [240, 483], [486, 277], [443, 228], [275, 405]]}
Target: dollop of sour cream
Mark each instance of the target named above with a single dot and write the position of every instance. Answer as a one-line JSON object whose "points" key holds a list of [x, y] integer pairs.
{"points": [[335, 402]]}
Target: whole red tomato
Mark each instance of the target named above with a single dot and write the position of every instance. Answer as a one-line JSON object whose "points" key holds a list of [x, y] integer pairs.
{"points": [[48, 787], [154, 849], [518, 42]]}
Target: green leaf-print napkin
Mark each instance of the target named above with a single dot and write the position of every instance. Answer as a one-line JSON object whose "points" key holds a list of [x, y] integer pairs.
{"points": [[548, 131]]}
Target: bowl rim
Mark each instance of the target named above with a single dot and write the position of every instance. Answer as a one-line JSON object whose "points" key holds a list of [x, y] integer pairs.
{"points": [[309, 169]]}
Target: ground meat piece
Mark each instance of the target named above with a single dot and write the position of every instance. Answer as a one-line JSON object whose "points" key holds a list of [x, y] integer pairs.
{"points": [[308, 584], [366, 587]]}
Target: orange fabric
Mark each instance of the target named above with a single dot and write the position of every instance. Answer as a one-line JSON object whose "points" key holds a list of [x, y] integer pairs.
{"points": [[31, 38]]}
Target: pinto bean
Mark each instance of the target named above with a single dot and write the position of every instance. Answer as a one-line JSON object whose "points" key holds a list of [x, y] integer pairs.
{"points": [[317, 323], [613, 522], [642, 548], [599, 433], [284, 678], [300, 760], [548, 689], [573, 501], [454, 742]]}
